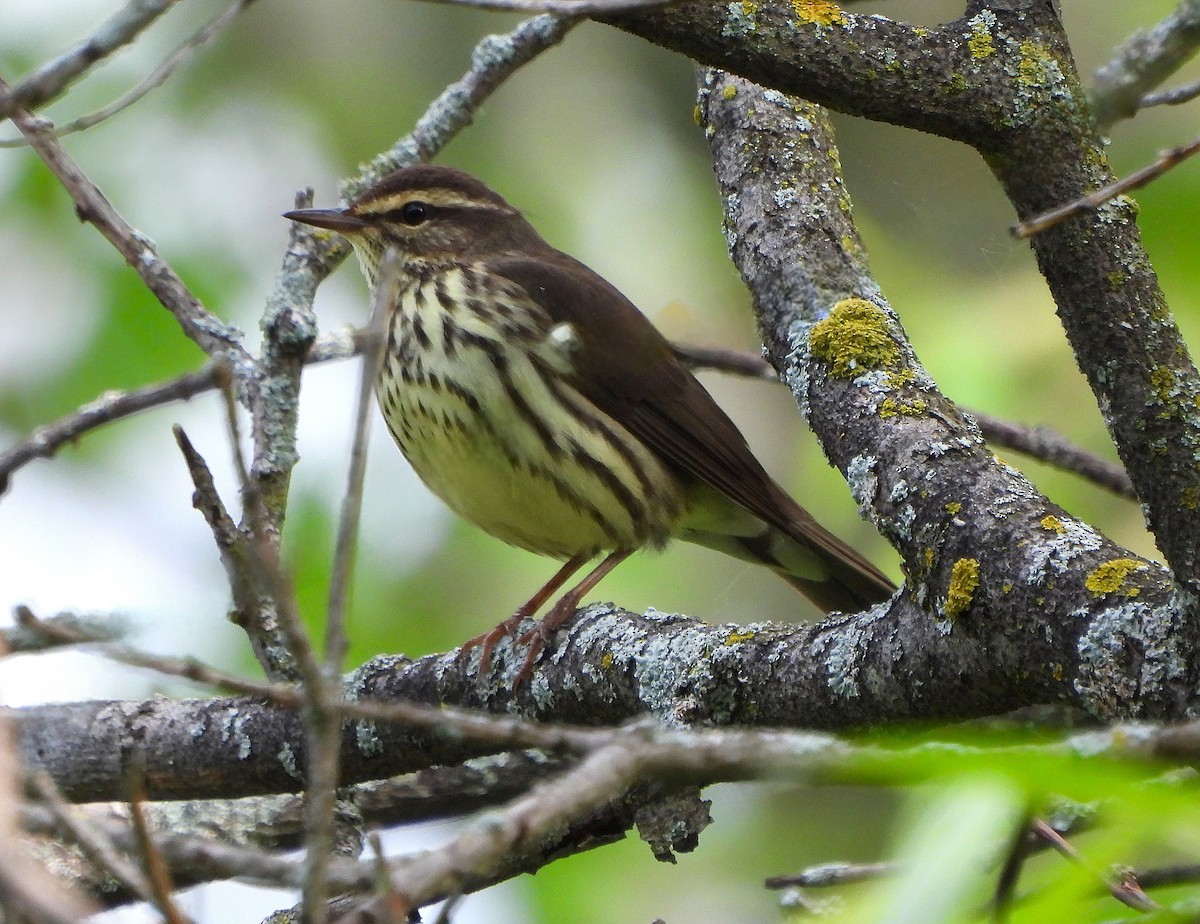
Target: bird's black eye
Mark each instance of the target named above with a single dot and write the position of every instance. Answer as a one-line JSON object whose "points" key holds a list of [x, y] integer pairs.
{"points": [[414, 213]]}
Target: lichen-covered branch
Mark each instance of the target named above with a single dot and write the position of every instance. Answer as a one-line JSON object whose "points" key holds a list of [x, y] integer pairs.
{"points": [[1003, 80]]}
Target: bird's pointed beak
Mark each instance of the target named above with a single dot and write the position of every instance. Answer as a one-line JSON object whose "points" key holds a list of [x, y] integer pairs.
{"points": [[334, 219]]}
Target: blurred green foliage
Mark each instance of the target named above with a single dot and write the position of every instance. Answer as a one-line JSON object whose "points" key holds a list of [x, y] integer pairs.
{"points": [[595, 141]]}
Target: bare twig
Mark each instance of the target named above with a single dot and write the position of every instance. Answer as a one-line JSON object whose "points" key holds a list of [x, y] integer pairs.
{"points": [[30, 633], [210, 333], [112, 405], [27, 891], [160, 75], [116, 405], [61, 633], [374, 340], [494, 60], [1052, 448], [560, 7], [1173, 97], [1144, 61], [158, 875], [1125, 889], [53, 77], [827, 875], [92, 840], [726, 359], [518, 835], [1166, 160], [1036, 442], [254, 607]]}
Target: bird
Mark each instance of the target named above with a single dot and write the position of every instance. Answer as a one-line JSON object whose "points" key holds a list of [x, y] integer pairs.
{"points": [[541, 405]]}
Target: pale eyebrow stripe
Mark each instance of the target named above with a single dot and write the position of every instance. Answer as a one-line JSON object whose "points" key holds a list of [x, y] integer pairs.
{"points": [[439, 196]]}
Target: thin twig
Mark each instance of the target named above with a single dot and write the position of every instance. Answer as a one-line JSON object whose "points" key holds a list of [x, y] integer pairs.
{"points": [[390, 905], [263, 550], [29, 634], [1036, 442], [255, 608], [494, 59], [1144, 61], [1019, 850], [1045, 445], [374, 340], [185, 668], [27, 890], [827, 875], [1166, 160], [204, 328], [92, 840], [159, 876], [560, 7], [53, 77], [1125, 890], [112, 405], [160, 75], [1173, 97]]}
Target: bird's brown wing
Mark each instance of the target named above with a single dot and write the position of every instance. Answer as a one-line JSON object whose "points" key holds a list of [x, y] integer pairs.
{"points": [[629, 371]]}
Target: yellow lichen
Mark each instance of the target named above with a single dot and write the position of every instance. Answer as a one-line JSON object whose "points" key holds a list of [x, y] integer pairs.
{"points": [[1191, 498], [819, 12], [736, 638], [953, 507], [749, 7], [964, 580], [928, 558], [1031, 72], [1054, 524], [890, 407], [1116, 279], [981, 43], [1110, 577], [1162, 380], [854, 337], [606, 660], [899, 378], [730, 90]]}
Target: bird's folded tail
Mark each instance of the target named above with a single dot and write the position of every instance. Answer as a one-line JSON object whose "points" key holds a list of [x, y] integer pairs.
{"points": [[813, 560]]}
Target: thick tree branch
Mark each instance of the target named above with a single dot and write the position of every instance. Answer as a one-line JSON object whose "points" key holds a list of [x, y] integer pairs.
{"points": [[938, 80], [1003, 80]]}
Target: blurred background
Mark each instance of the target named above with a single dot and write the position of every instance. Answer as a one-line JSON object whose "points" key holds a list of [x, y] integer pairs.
{"points": [[596, 142]]}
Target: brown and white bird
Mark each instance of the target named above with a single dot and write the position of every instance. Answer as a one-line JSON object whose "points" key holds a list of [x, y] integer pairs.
{"points": [[542, 406]]}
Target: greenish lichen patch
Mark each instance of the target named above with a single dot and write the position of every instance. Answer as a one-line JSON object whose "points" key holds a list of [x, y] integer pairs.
{"points": [[1162, 380], [1112, 577], [981, 43], [964, 581], [1035, 61], [853, 338], [891, 407]]}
